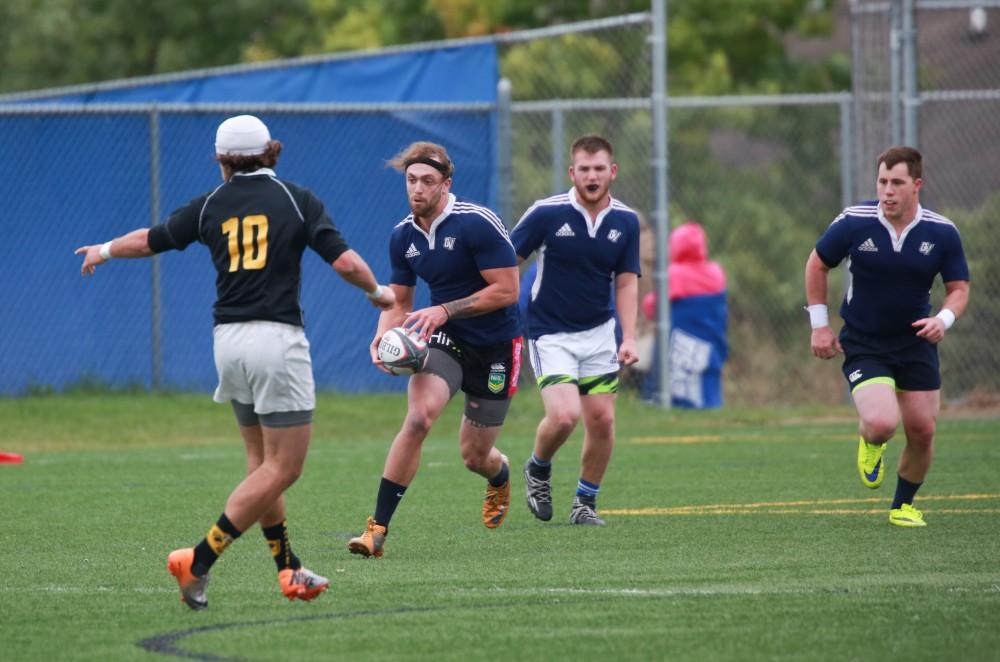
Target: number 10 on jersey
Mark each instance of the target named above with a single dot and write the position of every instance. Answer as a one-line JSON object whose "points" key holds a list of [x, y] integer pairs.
{"points": [[254, 254]]}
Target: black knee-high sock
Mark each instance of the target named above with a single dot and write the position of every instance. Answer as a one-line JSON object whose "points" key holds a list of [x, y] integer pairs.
{"points": [[277, 539], [905, 491], [502, 477], [219, 537], [389, 496]]}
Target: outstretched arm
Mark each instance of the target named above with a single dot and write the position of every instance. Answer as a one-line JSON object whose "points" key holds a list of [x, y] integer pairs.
{"points": [[134, 244], [352, 268]]}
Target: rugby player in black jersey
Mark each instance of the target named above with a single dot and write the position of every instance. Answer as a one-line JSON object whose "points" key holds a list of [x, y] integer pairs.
{"points": [[256, 228]]}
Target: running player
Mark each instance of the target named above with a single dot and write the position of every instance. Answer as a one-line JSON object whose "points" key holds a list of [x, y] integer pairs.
{"points": [[587, 243], [895, 249], [462, 251]]}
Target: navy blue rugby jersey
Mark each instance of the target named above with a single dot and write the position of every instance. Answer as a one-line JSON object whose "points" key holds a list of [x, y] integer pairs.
{"points": [[891, 276], [464, 240], [577, 261], [256, 227]]}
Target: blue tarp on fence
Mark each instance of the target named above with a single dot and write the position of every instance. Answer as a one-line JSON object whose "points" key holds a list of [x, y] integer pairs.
{"points": [[457, 74], [72, 178]]}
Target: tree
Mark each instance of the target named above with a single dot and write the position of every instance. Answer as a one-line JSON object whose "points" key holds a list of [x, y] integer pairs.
{"points": [[62, 42], [716, 47]]}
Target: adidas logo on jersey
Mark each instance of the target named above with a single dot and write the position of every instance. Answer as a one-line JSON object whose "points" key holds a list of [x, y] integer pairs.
{"points": [[412, 251], [868, 246], [565, 231]]}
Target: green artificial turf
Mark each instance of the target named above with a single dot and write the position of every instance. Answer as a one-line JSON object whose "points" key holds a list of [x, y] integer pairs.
{"points": [[732, 535]]}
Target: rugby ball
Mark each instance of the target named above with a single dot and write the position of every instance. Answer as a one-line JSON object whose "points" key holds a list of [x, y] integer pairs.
{"points": [[402, 352]]}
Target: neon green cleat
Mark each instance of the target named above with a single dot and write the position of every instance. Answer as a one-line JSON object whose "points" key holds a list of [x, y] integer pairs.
{"points": [[906, 515], [870, 465]]}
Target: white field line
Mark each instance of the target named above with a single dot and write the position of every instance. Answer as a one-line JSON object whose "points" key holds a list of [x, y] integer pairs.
{"points": [[962, 585], [739, 589]]}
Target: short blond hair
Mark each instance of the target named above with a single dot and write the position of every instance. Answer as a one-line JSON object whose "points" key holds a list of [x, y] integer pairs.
{"points": [[592, 144], [429, 153]]}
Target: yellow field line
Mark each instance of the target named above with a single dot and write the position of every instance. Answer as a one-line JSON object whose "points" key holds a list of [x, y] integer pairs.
{"points": [[692, 439], [794, 511], [750, 436], [789, 507]]}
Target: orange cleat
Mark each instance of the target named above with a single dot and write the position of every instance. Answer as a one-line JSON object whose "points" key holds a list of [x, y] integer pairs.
{"points": [[497, 502], [302, 584], [179, 564], [370, 542]]}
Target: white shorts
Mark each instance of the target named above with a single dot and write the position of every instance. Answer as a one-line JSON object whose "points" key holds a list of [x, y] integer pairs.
{"points": [[576, 354], [264, 364]]}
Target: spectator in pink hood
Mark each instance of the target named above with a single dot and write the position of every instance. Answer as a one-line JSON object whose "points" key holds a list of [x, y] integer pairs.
{"points": [[698, 313], [691, 272]]}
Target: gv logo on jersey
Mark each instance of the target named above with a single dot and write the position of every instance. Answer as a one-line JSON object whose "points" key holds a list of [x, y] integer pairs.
{"points": [[926, 247], [614, 235], [449, 243]]}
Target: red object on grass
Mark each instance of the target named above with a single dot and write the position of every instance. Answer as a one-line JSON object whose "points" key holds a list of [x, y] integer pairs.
{"points": [[11, 458]]}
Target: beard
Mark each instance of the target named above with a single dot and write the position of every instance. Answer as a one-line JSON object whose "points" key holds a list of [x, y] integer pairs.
{"points": [[420, 209], [592, 193], [425, 206]]}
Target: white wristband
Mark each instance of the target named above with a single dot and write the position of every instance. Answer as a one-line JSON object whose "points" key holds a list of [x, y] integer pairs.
{"points": [[106, 251], [947, 317], [818, 315], [374, 294]]}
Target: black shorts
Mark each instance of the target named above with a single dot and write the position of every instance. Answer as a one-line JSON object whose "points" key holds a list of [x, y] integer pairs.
{"points": [[907, 362], [488, 371]]}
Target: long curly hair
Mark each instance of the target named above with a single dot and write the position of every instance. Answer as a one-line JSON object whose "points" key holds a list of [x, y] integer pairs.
{"points": [[240, 163]]}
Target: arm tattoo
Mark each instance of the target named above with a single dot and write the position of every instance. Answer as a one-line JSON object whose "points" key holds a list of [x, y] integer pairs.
{"points": [[462, 307]]}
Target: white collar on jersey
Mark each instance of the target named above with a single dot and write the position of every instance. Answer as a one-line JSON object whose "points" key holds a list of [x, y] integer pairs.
{"points": [[592, 228], [430, 235], [258, 171], [897, 241]]}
